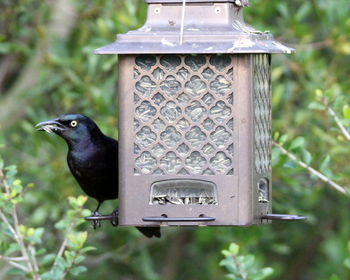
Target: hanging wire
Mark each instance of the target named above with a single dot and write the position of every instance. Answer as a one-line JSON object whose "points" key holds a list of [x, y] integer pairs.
{"points": [[182, 21]]}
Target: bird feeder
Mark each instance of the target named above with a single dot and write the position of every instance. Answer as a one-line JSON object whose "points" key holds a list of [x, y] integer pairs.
{"points": [[195, 116]]}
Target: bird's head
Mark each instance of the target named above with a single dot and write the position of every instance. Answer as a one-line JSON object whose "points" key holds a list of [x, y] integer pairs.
{"points": [[71, 127]]}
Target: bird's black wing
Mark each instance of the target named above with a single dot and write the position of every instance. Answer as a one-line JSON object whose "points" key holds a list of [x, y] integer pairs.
{"points": [[95, 167]]}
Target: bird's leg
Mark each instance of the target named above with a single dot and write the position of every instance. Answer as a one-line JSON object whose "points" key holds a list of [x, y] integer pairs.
{"points": [[96, 223], [115, 214]]}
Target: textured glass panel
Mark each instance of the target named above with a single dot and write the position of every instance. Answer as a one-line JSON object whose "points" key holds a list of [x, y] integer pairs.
{"points": [[230, 124], [145, 61], [158, 124], [158, 171], [208, 73], [185, 114], [158, 99], [183, 171], [170, 136], [220, 61], [220, 112], [230, 99], [145, 137], [183, 124], [136, 73], [208, 172], [208, 124], [171, 112], [230, 74], [145, 112], [208, 99], [183, 74], [170, 86], [221, 85], [196, 137], [262, 113], [195, 61], [221, 137], [208, 149], [158, 74], [183, 149], [230, 149], [158, 150], [170, 162], [136, 149], [145, 86], [195, 111], [136, 124], [195, 86], [170, 62], [146, 163], [136, 98], [220, 162], [195, 162], [183, 99]]}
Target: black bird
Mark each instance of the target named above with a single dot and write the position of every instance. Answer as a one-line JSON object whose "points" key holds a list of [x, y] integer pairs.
{"points": [[92, 159]]}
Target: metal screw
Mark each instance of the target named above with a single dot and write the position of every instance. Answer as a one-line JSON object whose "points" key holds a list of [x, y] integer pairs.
{"points": [[157, 10], [217, 10]]}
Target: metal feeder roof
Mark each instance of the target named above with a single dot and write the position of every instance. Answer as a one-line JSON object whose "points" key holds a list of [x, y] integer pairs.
{"points": [[198, 26]]}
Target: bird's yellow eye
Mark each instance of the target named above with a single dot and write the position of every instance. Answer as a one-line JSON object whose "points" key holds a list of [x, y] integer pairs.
{"points": [[73, 123]]}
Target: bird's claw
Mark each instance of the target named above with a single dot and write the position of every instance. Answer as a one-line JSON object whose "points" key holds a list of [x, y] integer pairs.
{"points": [[96, 223], [115, 214]]}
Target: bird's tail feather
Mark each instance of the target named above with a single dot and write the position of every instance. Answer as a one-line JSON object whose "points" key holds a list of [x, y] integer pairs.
{"points": [[150, 231]]}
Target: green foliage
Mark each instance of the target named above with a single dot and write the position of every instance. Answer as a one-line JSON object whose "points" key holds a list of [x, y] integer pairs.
{"points": [[23, 247], [242, 267], [347, 260]]}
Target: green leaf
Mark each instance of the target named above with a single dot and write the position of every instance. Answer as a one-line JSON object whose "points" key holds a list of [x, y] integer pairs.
{"points": [[13, 247], [283, 139], [297, 143], [49, 258], [276, 153], [234, 249], [79, 259], [316, 106], [290, 164], [262, 274], [87, 249], [16, 271], [61, 263], [319, 92], [347, 263], [307, 157], [77, 270], [325, 164], [81, 200], [346, 112], [11, 171]]}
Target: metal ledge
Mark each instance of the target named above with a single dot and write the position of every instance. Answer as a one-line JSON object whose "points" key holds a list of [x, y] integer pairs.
{"points": [[283, 217], [101, 218], [161, 219], [188, 1]]}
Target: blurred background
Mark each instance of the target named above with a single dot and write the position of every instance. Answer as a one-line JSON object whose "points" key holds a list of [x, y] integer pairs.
{"points": [[47, 68]]}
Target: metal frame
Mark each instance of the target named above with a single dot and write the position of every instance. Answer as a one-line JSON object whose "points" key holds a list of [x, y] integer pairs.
{"points": [[237, 194], [210, 27]]}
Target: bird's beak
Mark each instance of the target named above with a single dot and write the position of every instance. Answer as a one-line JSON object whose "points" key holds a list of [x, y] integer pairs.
{"points": [[50, 126]]}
